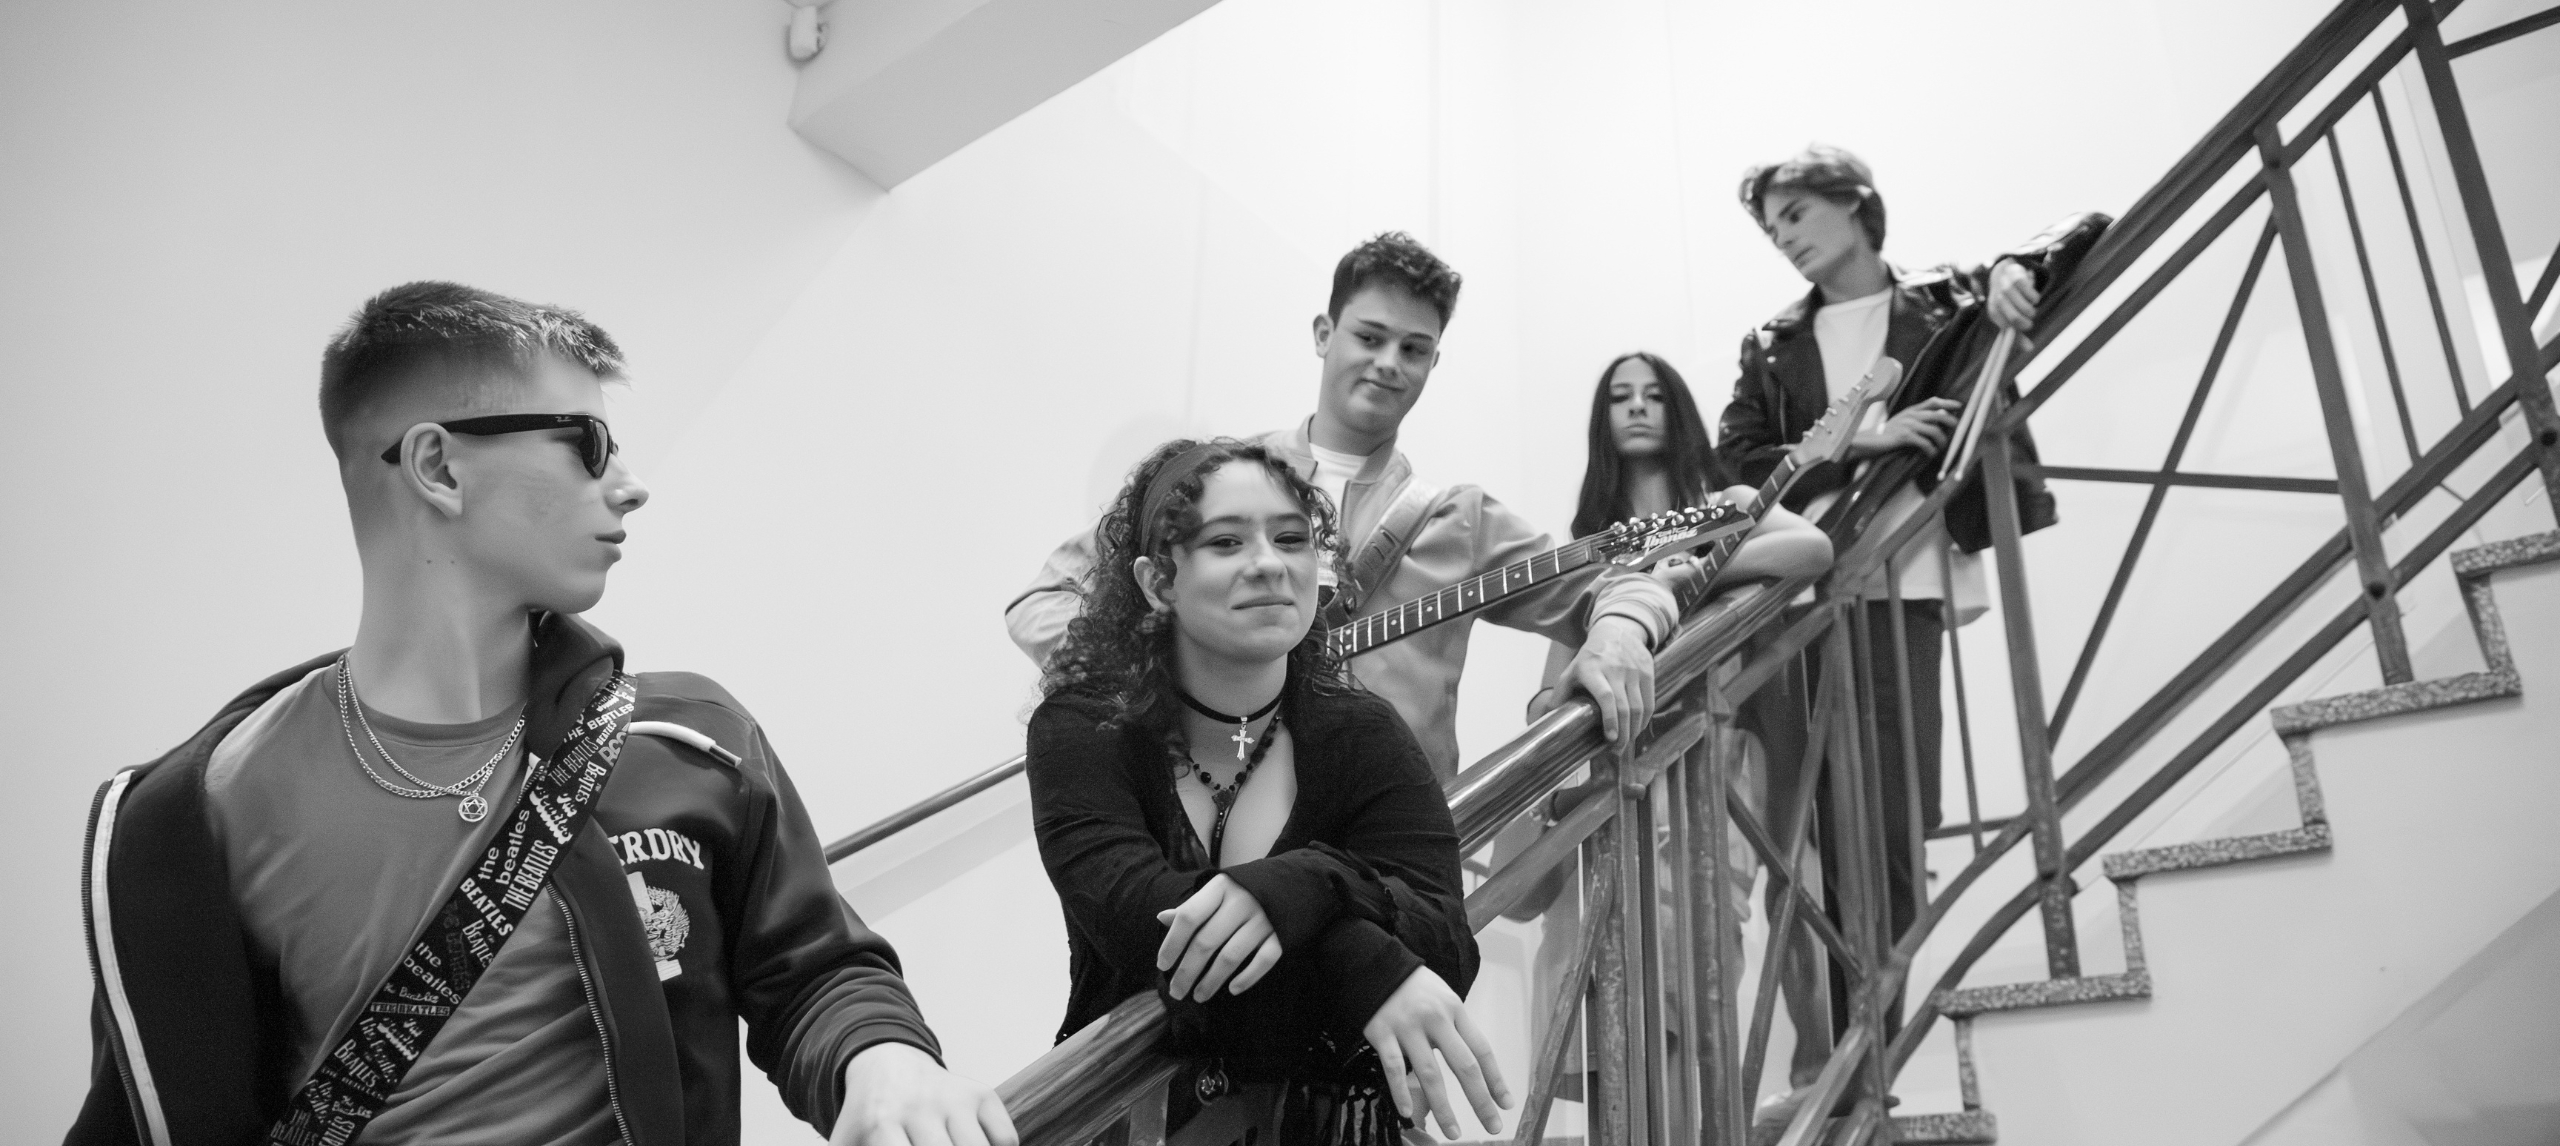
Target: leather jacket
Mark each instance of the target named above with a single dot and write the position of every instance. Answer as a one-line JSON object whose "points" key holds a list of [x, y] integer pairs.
{"points": [[188, 1040], [1937, 315]]}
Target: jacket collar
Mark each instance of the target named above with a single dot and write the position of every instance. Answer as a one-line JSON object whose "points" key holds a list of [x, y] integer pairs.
{"points": [[1797, 318], [1366, 496], [571, 660]]}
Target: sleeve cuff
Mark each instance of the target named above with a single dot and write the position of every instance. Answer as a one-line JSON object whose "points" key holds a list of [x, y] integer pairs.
{"points": [[1643, 600], [826, 1098], [1369, 965]]}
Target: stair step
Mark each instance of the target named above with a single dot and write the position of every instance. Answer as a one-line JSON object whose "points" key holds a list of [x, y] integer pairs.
{"points": [[2395, 700], [2509, 554], [2045, 993], [1961, 1128], [2216, 853]]}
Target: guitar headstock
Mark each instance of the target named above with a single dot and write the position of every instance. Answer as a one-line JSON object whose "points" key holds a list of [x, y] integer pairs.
{"points": [[1828, 440], [1638, 542]]}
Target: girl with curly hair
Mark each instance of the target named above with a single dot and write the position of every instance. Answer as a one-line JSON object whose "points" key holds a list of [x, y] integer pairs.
{"points": [[1231, 822]]}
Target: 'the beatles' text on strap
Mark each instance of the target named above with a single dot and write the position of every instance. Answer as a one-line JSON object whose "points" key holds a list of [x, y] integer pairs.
{"points": [[364, 1069]]}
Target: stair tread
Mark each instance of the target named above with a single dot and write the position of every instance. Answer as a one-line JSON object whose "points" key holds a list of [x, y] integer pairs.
{"points": [[2218, 852], [1956, 1128], [2532, 549], [2045, 993], [2395, 700]]}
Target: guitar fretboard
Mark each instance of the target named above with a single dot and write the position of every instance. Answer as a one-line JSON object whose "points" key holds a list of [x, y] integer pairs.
{"points": [[1460, 599]]}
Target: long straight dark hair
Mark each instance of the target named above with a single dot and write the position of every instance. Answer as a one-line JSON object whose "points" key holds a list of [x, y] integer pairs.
{"points": [[1695, 469]]}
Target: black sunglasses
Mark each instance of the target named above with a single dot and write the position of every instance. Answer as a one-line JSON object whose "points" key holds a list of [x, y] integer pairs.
{"points": [[595, 439]]}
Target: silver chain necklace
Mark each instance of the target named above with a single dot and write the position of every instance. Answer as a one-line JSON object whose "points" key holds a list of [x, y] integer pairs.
{"points": [[474, 807]]}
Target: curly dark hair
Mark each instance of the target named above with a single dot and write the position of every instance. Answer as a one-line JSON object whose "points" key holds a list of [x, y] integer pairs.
{"points": [[1395, 257], [1118, 652]]}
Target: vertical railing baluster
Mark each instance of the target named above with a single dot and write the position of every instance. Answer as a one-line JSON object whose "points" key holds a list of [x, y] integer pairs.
{"points": [[1564, 1017], [1863, 800], [2346, 452], [1643, 1000], [2489, 239], [2026, 685], [1964, 711], [1907, 760], [1872, 906], [1723, 1110], [1605, 1094], [1687, 963]]}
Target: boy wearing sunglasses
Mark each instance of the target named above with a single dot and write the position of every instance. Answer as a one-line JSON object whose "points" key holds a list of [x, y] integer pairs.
{"points": [[467, 880]]}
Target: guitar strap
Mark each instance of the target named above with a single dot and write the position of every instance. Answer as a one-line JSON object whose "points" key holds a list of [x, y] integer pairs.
{"points": [[365, 1068], [1386, 545]]}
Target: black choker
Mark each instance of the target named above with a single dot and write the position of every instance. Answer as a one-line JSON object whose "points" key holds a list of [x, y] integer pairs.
{"points": [[1244, 736]]}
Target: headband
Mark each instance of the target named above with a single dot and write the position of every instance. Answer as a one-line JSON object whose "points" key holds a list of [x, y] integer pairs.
{"points": [[1152, 505]]}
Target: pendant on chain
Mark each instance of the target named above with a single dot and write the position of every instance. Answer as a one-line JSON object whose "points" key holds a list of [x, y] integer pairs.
{"points": [[473, 809]]}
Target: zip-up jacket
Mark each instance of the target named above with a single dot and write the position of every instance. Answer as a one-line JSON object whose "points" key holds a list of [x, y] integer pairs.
{"points": [[1465, 533], [1780, 389], [188, 1032]]}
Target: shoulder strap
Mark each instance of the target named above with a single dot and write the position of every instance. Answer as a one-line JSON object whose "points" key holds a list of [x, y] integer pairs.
{"points": [[1376, 561], [367, 1065]]}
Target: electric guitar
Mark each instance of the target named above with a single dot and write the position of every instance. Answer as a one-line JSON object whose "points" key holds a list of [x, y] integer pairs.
{"points": [[1637, 542], [1827, 441]]}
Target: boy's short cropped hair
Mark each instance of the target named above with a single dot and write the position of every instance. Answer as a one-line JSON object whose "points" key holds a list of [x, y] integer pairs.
{"points": [[406, 332], [1820, 169], [1394, 257]]}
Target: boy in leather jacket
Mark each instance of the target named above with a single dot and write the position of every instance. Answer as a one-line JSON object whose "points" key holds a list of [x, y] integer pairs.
{"points": [[1822, 212], [363, 903]]}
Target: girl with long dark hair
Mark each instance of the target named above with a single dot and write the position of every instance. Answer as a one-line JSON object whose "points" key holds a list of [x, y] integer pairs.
{"points": [[1649, 454], [1230, 821]]}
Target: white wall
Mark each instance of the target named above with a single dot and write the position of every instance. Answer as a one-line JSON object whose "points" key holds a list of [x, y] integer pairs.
{"points": [[193, 197], [866, 418]]}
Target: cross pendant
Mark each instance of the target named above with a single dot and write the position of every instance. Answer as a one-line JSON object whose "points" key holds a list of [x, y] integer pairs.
{"points": [[1242, 738]]}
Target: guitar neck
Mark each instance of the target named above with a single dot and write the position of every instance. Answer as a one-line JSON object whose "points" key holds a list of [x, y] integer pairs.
{"points": [[1458, 600], [1692, 587]]}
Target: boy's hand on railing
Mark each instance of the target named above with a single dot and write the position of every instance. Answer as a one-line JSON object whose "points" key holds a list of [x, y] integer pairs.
{"points": [[1922, 426], [896, 1094], [1422, 1017], [1218, 935], [1616, 671], [2013, 296]]}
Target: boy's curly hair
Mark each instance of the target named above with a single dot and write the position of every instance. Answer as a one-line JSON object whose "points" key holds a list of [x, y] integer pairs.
{"points": [[1118, 652], [1394, 257]]}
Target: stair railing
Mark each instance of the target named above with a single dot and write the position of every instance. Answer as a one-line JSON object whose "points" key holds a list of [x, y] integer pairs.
{"points": [[1652, 989]]}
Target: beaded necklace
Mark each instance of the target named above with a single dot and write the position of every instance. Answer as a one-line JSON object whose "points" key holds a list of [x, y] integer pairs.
{"points": [[1221, 796]]}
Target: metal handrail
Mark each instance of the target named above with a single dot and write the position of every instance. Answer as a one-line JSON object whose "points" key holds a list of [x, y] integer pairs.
{"points": [[924, 809]]}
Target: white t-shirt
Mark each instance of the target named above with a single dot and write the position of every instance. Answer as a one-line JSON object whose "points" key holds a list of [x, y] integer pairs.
{"points": [[1334, 471], [1851, 337]]}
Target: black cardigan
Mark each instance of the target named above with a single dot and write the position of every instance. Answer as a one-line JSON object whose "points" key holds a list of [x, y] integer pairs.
{"points": [[1361, 886]]}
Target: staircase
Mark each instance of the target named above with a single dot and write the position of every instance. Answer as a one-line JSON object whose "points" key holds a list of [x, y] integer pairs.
{"points": [[2369, 212], [2264, 960]]}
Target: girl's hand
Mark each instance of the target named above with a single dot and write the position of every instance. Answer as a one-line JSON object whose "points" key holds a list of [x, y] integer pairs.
{"points": [[1217, 937], [1422, 1017]]}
